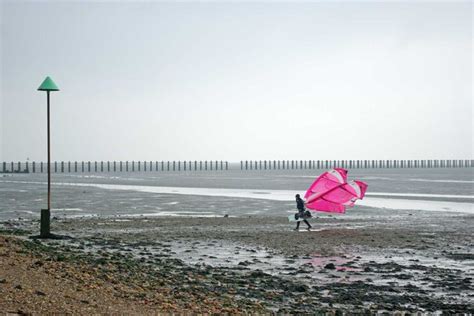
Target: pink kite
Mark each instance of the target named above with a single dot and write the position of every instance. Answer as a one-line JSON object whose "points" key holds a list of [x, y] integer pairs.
{"points": [[332, 193]]}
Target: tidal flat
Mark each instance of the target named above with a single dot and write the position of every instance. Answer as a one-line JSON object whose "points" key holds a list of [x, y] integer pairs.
{"points": [[260, 264], [221, 243]]}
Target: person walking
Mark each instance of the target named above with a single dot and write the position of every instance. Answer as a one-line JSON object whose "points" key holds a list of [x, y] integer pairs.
{"points": [[301, 210]]}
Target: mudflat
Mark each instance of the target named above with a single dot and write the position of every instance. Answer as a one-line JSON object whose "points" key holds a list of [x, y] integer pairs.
{"points": [[418, 261]]}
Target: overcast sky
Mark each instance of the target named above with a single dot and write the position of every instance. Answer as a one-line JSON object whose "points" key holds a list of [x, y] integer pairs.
{"points": [[232, 81]]}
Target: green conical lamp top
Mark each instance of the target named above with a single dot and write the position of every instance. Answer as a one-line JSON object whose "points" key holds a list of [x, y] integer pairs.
{"points": [[48, 85]]}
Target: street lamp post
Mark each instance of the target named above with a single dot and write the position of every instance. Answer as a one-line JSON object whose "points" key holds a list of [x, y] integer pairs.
{"points": [[48, 85]]}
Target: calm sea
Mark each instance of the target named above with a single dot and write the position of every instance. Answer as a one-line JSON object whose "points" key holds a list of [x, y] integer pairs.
{"points": [[235, 192]]}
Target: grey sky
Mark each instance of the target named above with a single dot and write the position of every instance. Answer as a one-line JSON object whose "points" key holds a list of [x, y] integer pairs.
{"points": [[231, 81]]}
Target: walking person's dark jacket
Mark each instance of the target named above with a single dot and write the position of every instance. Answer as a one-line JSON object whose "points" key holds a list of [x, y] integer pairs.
{"points": [[300, 204], [301, 208]]}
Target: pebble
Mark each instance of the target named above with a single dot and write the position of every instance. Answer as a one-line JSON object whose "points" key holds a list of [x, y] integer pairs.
{"points": [[330, 266]]}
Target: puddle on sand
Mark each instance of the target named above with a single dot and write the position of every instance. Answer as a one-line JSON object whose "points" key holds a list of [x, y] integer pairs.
{"points": [[322, 269], [400, 270]]}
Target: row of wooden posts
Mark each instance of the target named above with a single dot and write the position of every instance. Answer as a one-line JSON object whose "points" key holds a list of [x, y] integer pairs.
{"points": [[146, 166], [115, 166], [351, 164]]}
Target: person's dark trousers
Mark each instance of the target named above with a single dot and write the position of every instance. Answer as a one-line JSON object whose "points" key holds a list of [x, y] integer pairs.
{"points": [[306, 222]]}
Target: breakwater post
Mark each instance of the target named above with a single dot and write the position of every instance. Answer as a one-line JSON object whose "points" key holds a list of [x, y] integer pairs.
{"points": [[220, 165], [353, 164]]}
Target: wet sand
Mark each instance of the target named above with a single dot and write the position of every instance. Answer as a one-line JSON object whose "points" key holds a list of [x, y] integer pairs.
{"points": [[408, 261]]}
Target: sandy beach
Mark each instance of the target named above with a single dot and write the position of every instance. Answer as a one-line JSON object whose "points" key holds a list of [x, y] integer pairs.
{"points": [[257, 264]]}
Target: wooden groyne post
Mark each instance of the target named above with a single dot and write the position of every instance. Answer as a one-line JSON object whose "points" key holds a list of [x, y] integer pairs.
{"points": [[220, 165]]}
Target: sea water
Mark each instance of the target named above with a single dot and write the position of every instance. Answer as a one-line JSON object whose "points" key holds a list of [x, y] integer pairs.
{"points": [[232, 193]]}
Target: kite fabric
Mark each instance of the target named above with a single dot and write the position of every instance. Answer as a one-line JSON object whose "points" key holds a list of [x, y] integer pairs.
{"points": [[331, 192]]}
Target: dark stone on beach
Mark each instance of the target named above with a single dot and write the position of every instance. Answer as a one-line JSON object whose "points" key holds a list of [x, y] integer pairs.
{"points": [[388, 267], [367, 269], [18, 287], [39, 293], [461, 256], [330, 266], [100, 261], [348, 264], [244, 263], [226, 215], [298, 288], [258, 274], [418, 267], [3, 281]]}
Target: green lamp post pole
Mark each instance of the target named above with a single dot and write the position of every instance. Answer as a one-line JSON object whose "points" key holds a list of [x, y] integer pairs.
{"points": [[48, 85]]}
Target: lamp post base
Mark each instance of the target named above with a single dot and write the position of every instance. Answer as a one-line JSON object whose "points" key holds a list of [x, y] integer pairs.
{"points": [[45, 223]]}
